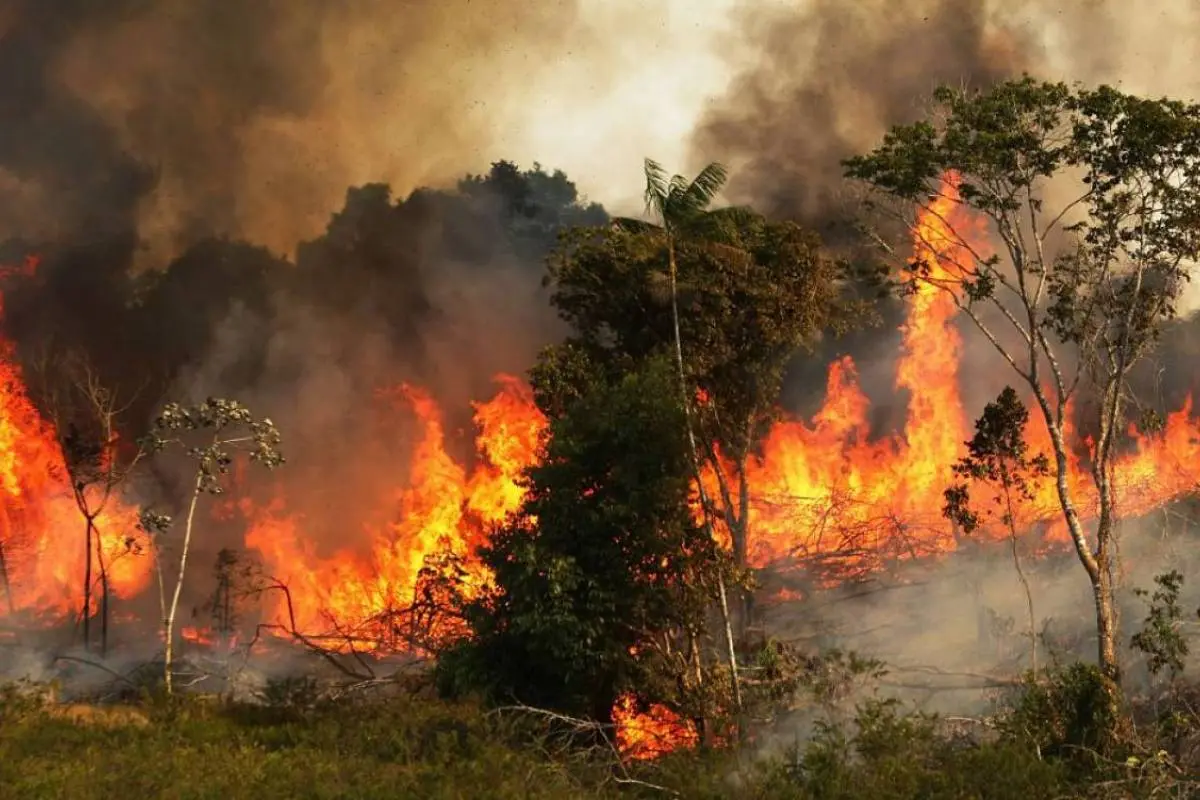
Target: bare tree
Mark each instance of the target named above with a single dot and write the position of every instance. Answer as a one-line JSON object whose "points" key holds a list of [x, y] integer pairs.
{"points": [[210, 434], [85, 414], [1080, 288]]}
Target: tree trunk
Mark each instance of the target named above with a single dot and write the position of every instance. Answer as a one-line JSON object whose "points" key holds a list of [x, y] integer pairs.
{"points": [[738, 523], [1102, 582], [1103, 595], [1033, 648], [8, 595], [104, 595], [737, 689], [695, 452], [1016, 554], [740, 558], [87, 587], [169, 622], [1096, 564]]}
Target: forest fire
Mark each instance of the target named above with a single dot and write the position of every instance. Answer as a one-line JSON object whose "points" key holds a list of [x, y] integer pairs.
{"points": [[824, 489], [650, 734], [821, 488]]}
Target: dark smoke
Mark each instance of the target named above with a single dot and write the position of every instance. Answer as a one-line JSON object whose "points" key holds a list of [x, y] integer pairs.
{"points": [[823, 80], [163, 158], [203, 117], [146, 140], [828, 80]]}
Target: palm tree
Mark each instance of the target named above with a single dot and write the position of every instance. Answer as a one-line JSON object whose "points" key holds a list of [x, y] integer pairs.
{"points": [[681, 208]]}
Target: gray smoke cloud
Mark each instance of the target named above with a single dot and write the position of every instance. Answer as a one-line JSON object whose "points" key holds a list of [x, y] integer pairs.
{"points": [[822, 80], [248, 119]]}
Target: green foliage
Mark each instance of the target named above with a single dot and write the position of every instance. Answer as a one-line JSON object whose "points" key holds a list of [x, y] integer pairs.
{"points": [[678, 202], [396, 747], [602, 565], [1072, 714], [750, 297], [1160, 638], [406, 744], [1135, 221], [885, 753], [997, 455]]}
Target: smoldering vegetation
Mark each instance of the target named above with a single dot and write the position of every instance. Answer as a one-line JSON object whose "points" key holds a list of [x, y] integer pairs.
{"points": [[955, 630]]}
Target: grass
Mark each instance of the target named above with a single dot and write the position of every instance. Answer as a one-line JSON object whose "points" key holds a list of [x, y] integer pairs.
{"points": [[410, 744], [398, 748]]}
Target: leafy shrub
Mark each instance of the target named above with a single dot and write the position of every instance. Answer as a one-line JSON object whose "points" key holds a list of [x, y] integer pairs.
{"points": [[1070, 713]]}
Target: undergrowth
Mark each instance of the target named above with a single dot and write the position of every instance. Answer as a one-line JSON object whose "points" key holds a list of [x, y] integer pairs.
{"points": [[411, 744]]}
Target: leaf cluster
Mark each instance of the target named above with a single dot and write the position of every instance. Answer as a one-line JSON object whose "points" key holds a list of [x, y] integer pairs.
{"points": [[1160, 637], [210, 433], [228, 426], [997, 455]]}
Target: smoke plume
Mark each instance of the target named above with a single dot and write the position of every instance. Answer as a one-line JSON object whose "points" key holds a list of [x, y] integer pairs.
{"points": [[822, 80]]}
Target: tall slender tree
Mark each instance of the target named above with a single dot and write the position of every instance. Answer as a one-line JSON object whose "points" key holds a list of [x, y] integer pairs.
{"points": [[1093, 198], [680, 206]]}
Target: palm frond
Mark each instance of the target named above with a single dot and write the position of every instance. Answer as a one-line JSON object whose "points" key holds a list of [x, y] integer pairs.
{"points": [[688, 198], [704, 187], [658, 188]]}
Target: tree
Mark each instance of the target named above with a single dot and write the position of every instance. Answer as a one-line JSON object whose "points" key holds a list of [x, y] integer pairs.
{"points": [[682, 205], [998, 456], [85, 415], [1079, 289], [210, 434], [603, 578], [753, 293]]}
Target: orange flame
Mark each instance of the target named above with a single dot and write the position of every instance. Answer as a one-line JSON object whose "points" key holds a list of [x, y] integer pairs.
{"points": [[825, 490], [650, 734], [821, 487], [443, 510], [41, 528]]}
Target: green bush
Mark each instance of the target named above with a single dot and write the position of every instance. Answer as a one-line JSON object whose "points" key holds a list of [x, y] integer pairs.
{"points": [[1070, 713]]}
